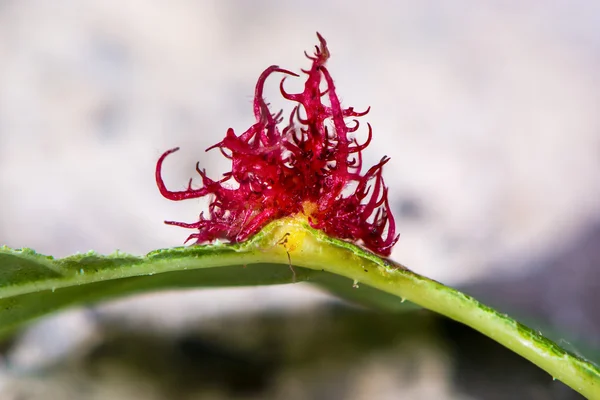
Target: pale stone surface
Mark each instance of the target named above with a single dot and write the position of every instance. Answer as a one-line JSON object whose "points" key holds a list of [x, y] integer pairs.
{"points": [[488, 110]]}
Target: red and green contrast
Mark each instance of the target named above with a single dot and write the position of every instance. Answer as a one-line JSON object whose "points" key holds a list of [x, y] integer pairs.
{"points": [[310, 165], [296, 195]]}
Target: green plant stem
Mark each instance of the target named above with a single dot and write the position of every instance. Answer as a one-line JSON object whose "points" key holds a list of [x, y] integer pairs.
{"points": [[32, 285], [317, 251]]}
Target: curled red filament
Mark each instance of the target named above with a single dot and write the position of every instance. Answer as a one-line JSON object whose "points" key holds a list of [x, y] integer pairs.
{"points": [[312, 166]]}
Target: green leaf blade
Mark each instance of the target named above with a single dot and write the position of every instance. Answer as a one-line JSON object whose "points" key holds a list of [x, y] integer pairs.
{"points": [[33, 285]]}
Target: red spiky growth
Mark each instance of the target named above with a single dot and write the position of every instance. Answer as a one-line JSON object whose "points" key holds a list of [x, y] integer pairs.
{"points": [[313, 166]]}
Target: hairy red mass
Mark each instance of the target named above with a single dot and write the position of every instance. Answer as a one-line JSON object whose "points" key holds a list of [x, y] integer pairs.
{"points": [[313, 166]]}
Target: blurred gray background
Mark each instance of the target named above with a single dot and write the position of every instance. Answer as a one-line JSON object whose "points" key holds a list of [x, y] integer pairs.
{"points": [[489, 112]]}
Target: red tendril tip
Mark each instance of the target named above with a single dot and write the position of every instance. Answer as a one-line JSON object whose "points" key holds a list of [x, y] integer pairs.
{"points": [[312, 167]]}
